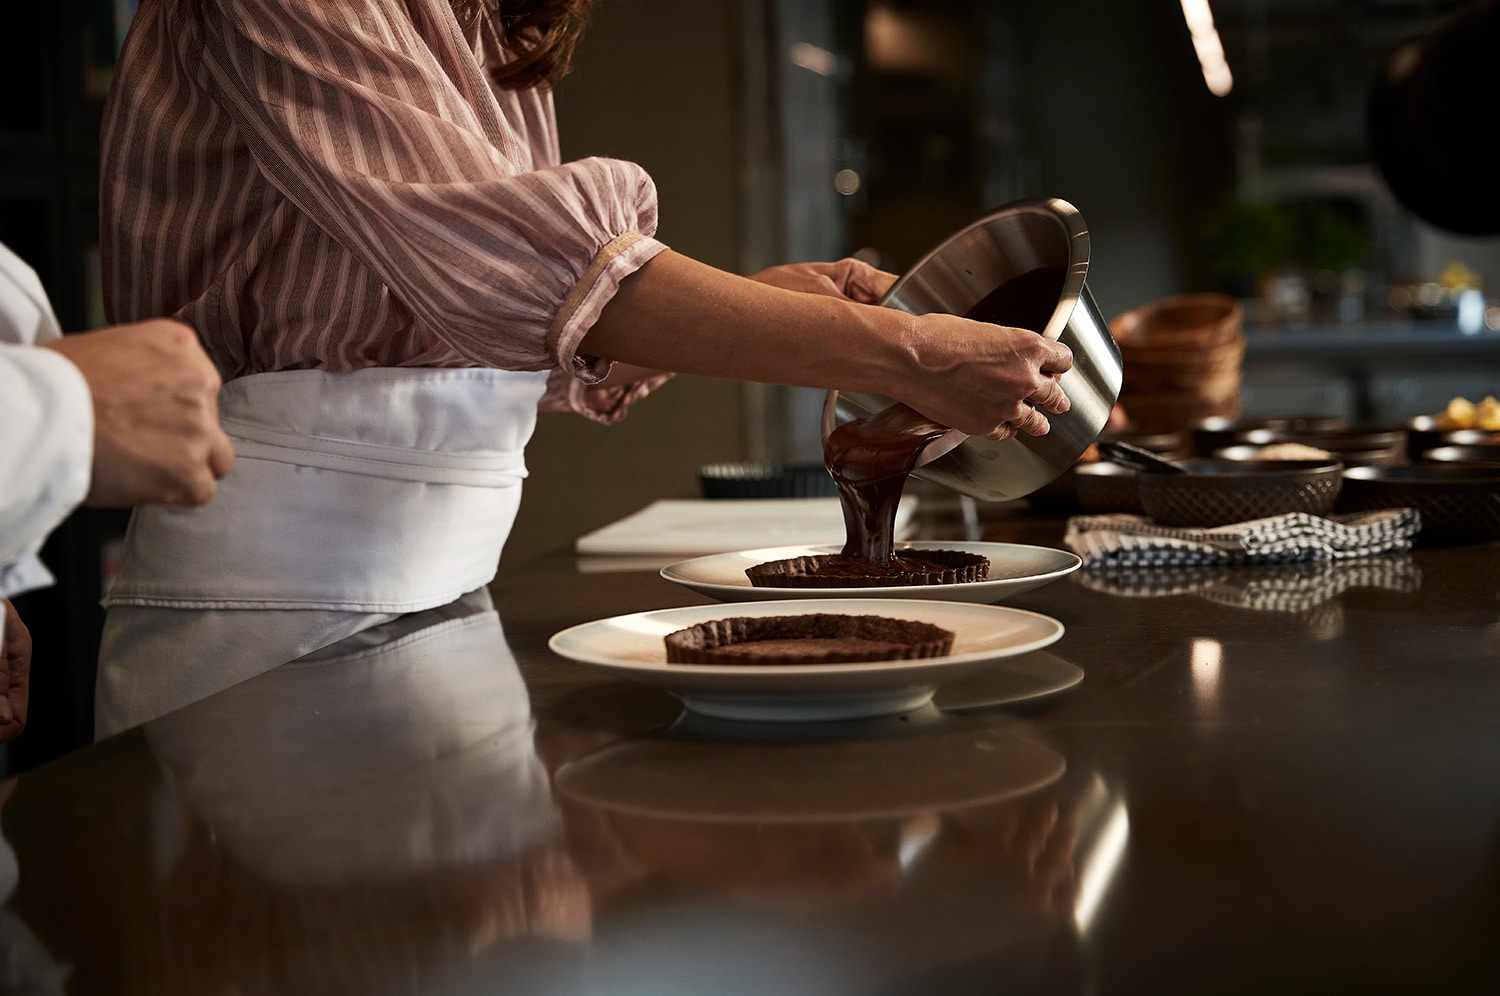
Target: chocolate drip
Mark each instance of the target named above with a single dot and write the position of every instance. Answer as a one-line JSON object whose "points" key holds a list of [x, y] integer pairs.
{"points": [[870, 459]]}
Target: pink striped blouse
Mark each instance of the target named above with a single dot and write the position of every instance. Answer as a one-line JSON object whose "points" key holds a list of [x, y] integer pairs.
{"points": [[318, 185]]}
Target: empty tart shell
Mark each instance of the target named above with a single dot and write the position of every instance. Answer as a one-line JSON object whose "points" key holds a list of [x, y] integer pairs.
{"points": [[832, 570], [815, 638]]}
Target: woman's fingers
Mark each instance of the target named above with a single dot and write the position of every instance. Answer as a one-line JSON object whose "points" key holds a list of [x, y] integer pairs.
{"points": [[1051, 398], [1031, 422], [1059, 359]]}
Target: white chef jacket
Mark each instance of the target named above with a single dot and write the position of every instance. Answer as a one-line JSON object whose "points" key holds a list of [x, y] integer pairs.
{"points": [[46, 428], [46, 450]]}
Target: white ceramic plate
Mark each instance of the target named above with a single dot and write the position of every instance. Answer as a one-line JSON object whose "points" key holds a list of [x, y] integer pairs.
{"points": [[631, 646], [1014, 568]]}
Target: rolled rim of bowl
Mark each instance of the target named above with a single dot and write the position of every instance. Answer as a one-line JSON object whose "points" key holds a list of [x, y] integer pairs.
{"points": [[1465, 454], [1215, 472], [1438, 475]]}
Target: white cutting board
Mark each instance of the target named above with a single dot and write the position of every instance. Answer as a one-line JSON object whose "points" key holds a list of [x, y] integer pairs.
{"points": [[694, 527]]}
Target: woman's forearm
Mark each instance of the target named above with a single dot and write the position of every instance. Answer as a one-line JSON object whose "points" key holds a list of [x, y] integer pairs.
{"points": [[681, 315]]}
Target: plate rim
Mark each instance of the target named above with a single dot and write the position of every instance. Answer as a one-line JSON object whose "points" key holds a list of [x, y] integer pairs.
{"points": [[882, 591], [810, 606]]}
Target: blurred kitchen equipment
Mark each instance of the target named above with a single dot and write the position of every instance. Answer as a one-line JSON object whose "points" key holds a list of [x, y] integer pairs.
{"points": [[1429, 117], [1211, 434], [1021, 240], [1458, 503], [1273, 451], [1472, 454], [1137, 458], [1095, 486], [1221, 492], [766, 480], [1182, 358], [1356, 446], [1164, 444], [1103, 487], [1425, 432]]}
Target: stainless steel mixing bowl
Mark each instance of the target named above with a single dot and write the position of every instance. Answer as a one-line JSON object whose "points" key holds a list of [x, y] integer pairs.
{"points": [[1009, 242]]}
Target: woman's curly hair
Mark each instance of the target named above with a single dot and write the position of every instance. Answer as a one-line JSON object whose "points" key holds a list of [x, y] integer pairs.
{"points": [[539, 34]]}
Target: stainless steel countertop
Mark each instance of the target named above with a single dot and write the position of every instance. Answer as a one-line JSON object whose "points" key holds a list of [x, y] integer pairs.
{"points": [[1269, 780]]}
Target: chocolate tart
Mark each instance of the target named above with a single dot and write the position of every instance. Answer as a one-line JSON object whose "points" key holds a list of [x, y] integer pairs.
{"points": [[833, 570], [815, 638]]}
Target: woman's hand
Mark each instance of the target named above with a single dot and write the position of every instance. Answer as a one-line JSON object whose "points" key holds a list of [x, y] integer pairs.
{"points": [[848, 278], [987, 380], [1013, 370]]}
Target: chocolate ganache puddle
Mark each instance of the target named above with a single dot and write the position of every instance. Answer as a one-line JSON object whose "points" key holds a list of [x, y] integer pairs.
{"points": [[871, 458]]}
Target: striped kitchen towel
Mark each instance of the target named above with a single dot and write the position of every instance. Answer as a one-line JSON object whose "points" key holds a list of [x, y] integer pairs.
{"points": [[1135, 541]]}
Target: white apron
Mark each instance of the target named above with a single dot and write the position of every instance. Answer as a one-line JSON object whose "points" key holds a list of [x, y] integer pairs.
{"points": [[354, 498]]}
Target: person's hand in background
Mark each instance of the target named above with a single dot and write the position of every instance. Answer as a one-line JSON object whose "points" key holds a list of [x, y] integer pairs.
{"points": [[156, 415], [15, 671]]}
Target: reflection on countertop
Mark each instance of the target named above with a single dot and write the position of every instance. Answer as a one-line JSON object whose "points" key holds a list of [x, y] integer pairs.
{"points": [[388, 815], [1289, 588], [1204, 786]]}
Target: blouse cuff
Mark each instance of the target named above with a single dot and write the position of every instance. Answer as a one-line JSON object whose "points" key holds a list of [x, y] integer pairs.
{"points": [[595, 289], [597, 403]]}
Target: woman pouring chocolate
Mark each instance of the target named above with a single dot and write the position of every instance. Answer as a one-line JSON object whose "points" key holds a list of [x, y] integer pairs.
{"points": [[361, 209]]}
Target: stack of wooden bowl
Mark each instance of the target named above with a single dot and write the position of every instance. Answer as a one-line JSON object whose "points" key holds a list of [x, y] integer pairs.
{"points": [[1182, 360]]}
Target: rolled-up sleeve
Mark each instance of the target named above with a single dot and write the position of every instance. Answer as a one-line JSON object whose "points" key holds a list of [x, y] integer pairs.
{"points": [[379, 126]]}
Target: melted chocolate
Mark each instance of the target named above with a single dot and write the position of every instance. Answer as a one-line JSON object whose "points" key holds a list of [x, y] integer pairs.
{"points": [[1024, 302], [870, 459]]}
